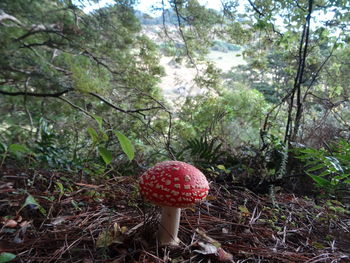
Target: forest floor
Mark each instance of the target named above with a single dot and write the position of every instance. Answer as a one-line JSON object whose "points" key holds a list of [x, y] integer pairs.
{"points": [[52, 217]]}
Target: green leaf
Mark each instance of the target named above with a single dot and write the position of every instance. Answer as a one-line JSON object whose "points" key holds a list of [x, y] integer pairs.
{"points": [[320, 181], [99, 120], [105, 154], [105, 137], [6, 257], [19, 148], [334, 161], [3, 147], [61, 187], [221, 167], [126, 145], [93, 134], [31, 201]]}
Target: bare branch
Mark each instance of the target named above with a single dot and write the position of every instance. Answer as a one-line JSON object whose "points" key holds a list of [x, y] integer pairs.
{"points": [[35, 29], [99, 62], [255, 8], [4, 16], [182, 33], [77, 107], [139, 111]]}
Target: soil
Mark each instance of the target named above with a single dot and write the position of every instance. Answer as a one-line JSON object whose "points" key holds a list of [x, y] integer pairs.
{"points": [[107, 221]]}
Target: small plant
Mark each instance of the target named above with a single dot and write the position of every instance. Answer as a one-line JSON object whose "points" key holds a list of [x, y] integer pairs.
{"points": [[100, 137], [15, 150], [202, 151], [330, 169], [6, 257], [48, 148]]}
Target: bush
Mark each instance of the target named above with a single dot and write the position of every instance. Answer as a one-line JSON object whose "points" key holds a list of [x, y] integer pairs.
{"points": [[225, 47], [329, 168]]}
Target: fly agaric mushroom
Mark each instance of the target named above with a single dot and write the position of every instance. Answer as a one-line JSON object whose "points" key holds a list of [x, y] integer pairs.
{"points": [[173, 185]]}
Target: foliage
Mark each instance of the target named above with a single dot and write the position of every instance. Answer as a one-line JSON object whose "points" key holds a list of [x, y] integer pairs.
{"points": [[224, 46], [329, 168], [30, 201], [235, 116], [81, 91], [6, 257], [203, 152], [59, 65], [81, 100]]}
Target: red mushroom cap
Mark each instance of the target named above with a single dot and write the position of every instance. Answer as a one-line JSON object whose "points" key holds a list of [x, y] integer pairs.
{"points": [[173, 183]]}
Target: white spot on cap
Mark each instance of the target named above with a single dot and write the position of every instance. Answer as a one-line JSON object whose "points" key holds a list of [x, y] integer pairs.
{"points": [[167, 182], [187, 186], [177, 186]]}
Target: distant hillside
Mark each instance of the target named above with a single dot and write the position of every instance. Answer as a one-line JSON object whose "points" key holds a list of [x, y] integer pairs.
{"points": [[146, 19], [178, 81]]}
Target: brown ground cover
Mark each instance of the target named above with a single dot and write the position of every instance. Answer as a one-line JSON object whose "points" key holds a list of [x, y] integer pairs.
{"points": [[107, 221]]}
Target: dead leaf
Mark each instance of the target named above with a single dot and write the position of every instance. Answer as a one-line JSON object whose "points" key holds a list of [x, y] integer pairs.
{"points": [[58, 220], [10, 223], [224, 256], [213, 247], [24, 224], [18, 218], [177, 260], [114, 235], [207, 249], [7, 186]]}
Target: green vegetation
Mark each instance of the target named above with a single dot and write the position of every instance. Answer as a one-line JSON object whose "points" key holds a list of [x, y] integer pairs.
{"points": [[84, 111], [224, 46]]}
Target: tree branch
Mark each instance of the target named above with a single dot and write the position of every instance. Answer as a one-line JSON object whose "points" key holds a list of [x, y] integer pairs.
{"points": [[4, 16], [255, 8], [139, 111], [182, 33], [33, 94], [77, 107], [99, 62]]}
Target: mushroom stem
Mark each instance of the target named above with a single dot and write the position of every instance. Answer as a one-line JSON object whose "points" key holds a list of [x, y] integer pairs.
{"points": [[169, 226]]}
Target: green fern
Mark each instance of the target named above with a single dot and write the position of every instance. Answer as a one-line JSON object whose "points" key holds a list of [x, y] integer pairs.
{"points": [[330, 169], [201, 150]]}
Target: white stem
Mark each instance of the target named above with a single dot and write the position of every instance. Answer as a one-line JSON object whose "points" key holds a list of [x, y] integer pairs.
{"points": [[169, 226]]}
